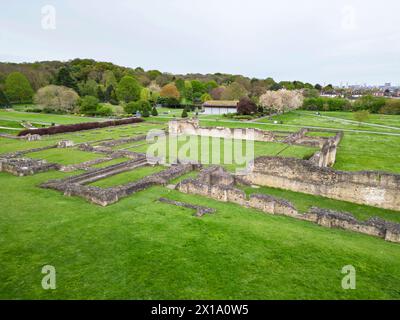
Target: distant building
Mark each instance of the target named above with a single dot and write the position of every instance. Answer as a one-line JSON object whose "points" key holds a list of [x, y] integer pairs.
{"points": [[220, 106]]}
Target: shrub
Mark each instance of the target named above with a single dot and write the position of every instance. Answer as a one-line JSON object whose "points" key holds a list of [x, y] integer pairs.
{"points": [[89, 105], [104, 111], [79, 127], [326, 104], [246, 107], [373, 104], [392, 106], [184, 113], [154, 112]]}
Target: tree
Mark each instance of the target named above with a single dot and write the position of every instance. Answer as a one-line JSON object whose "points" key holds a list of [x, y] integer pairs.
{"points": [[184, 113], [64, 78], [371, 103], [88, 88], [234, 91], [128, 89], [108, 79], [17, 88], [58, 98], [170, 91], [361, 116], [216, 93], [246, 106], [282, 100], [4, 102], [101, 94], [145, 94], [205, 97], [154, 112], [89, 105], [144, 107]]}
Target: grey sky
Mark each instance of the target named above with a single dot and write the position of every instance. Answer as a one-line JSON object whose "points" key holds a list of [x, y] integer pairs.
{"points": [[355, 41]]}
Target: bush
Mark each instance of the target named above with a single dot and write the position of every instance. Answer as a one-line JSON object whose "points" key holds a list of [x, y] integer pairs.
{"points": [[144, 107], [373, 104], [104, 111], [184, 114], [89, 105], [79, 127], [392, 106], [326, 104], [154, 112], [246, 107]]}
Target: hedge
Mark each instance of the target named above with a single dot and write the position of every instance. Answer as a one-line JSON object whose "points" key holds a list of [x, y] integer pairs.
{"points": [[79, 127]]}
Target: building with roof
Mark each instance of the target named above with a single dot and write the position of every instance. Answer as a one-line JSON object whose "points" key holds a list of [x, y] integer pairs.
{"points": [[220, 106]]}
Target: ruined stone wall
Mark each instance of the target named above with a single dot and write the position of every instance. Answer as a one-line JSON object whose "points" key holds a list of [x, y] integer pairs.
{"points": [[326, 157], [327, 218], [192, 127], [366, 187]]}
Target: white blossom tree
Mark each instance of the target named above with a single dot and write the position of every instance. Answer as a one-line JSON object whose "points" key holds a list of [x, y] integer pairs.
{"points": [[282, 100]]}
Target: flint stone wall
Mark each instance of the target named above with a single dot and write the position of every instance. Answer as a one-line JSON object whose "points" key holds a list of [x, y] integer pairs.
{"points": [[75, 186], [271, 205], [372, 188], [25, 166], [192, 127]]}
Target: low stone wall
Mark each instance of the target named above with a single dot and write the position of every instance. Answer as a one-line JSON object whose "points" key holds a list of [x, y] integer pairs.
{"points": [[192, 127], [114, 143], [76, 186], [271, 205], [25, 166], [200, 210], [366, 187]]}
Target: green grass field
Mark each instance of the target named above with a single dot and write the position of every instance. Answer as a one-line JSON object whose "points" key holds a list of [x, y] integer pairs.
{"points": [[140, 248]]}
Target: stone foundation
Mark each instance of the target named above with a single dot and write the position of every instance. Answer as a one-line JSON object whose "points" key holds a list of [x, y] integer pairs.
{"points": [[77, 185], [372, 188], [25, 167], [209, 187]]}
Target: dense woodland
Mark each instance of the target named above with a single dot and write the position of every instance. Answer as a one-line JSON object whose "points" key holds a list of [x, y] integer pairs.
{"points": [[90, 87]]}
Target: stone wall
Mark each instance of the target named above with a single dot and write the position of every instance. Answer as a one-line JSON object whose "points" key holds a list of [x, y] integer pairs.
{"points": [[326, 157], [25, 166], [77, 185], [192, 127], [372, 188], [271, 205]]}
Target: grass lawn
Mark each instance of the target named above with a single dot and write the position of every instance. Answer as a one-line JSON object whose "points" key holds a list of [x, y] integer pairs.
{"points": [[336, 120], [64, 156], [215, 150], [142, 249], [43, 118]]}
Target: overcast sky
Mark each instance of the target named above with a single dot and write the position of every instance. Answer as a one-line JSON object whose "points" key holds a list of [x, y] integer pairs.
{"points": [[324, 41]]}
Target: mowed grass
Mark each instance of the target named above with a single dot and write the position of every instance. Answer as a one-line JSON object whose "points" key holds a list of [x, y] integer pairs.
{"points": [[127, 177], [336, 120], [207, 150], [64, 156], [140, 248], [42, 118], [358, 152]]}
